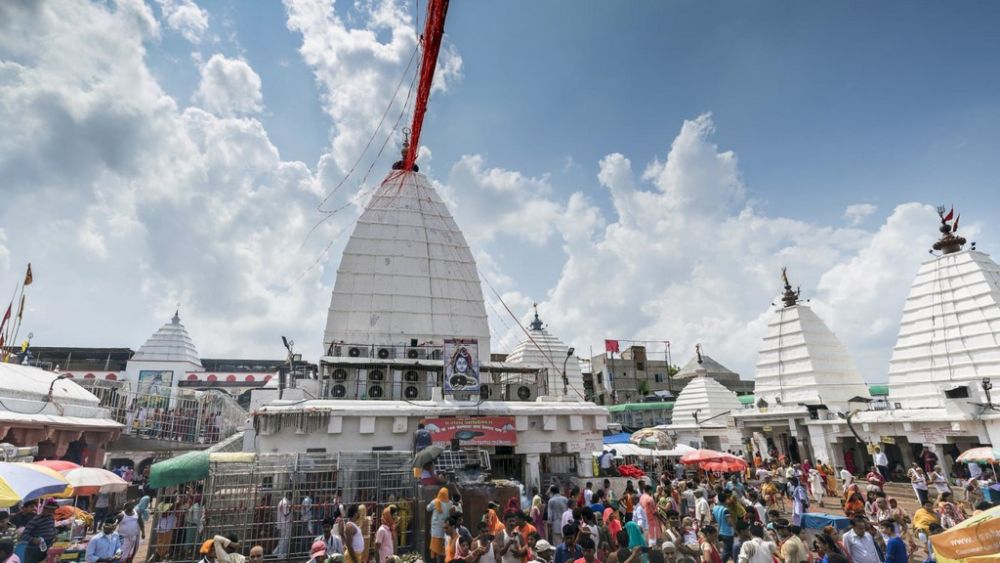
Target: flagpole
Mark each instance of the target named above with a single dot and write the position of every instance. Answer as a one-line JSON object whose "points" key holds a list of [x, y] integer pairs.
{"points": [[20, 312], [7, 329]]}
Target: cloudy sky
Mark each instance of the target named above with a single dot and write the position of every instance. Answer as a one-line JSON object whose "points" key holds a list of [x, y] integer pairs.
{"points": [[643, 170]]}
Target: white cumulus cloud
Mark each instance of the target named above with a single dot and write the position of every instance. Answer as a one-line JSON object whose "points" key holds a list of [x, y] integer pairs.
{"points": [[361, 66], [186, 18], [858, 212], [682, 256], [228, 87]]}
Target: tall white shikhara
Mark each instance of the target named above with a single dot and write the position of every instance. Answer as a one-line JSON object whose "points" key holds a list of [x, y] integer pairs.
{"points": [[802, 361], [949, 335], [407, 273]]}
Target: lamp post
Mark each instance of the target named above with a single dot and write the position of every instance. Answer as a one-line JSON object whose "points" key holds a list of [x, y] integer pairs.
{"points": [[52, 385], [569, 354]]}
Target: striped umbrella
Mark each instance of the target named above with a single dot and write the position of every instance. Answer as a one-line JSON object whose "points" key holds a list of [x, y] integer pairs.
{"points": [[979, 455], [25, 481], [93, 480], [57, 464]]}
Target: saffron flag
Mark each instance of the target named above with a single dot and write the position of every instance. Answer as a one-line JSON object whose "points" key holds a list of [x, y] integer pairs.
{"points": [[950, 214], [28, 278], [611, 346], [20, 308], [954, 227]]}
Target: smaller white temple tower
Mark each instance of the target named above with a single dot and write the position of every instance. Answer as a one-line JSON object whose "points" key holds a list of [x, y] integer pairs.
{"points": [[545, 350], [163, 360], [703, 413]]}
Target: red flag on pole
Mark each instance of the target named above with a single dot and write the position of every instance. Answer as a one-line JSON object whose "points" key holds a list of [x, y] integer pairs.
{"points": [[611, 346], [954, 227], [6, 317], [950, 214]]}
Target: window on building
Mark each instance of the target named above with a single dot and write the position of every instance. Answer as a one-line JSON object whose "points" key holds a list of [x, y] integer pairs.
{"points": [[600, 378], [641, 366], [658, 377]]}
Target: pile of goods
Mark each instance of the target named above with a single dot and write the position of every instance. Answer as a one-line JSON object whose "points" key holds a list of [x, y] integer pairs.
{"points": [[631, 471]]}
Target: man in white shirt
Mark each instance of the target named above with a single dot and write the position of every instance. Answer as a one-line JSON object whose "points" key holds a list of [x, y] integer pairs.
{"points": [[882, 462], [588, 493], [860, 545], [702, 512], [846, 478], [757, 549], [555, 508]]}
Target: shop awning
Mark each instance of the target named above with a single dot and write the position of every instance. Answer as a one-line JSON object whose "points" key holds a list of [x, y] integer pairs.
{"points": [[192, 466], [10, 417]]}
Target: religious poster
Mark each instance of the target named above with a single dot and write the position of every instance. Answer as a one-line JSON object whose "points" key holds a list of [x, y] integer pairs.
{"points": [[472, 430], [154, 387], [461, 366]]}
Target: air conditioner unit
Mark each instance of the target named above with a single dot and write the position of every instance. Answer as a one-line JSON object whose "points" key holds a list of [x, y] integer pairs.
{"points": [[384, 353], [491, 392], [339, 374], [376, 375], [338, 391], [358, 352], [413, 385], [416, 354], [376, 391], [522, 392]]}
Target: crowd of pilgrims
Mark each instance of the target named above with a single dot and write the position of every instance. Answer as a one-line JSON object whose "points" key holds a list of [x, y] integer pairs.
{"points": [[754, 516]]}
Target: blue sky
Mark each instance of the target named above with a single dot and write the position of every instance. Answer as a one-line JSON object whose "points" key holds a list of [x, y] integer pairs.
{"points": [[791, 112]]}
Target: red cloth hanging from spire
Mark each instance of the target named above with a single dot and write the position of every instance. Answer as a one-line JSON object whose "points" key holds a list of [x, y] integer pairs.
{"points": [[611, 346], [433, 34]]}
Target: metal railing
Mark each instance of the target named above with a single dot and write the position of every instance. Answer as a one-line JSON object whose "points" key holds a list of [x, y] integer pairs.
{"points": [[279, 502], [193, 417]]}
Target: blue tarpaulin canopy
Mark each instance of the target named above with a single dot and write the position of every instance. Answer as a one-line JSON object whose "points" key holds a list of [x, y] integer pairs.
{"points": [[621, 438]]}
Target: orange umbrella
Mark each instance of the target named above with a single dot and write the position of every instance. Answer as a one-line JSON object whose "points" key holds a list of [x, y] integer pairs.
{"points": [[725, 465], [702, 456]]}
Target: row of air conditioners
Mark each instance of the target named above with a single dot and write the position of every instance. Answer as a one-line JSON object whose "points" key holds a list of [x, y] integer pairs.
{"points": [[413, 385], [413, 352]]}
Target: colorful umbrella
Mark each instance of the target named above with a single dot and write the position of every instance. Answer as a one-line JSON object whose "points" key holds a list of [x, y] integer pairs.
{"points": [[66, 492], [652, 438], [724, 465], [979, 455], [92, 480], [700, 456], [25, 481], [57, 464]]}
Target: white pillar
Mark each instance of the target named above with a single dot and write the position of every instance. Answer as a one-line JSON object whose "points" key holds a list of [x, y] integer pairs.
{"points": [[532, 471], [585, 464]]}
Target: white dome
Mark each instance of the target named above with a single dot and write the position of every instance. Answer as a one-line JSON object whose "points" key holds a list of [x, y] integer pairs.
{"points": [[547, 351], [169, 344], [713, 403], [802, 361], [950, 331], [407, 273]]}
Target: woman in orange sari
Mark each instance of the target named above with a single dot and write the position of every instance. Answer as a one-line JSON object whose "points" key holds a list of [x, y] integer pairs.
{"points": [[829, 478]]}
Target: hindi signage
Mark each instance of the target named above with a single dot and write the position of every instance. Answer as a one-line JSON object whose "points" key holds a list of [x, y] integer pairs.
{"points": [[473, 430]]}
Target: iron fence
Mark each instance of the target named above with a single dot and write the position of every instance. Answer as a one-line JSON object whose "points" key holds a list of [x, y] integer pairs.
{"points": [[193, 417], [280, 501]]}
